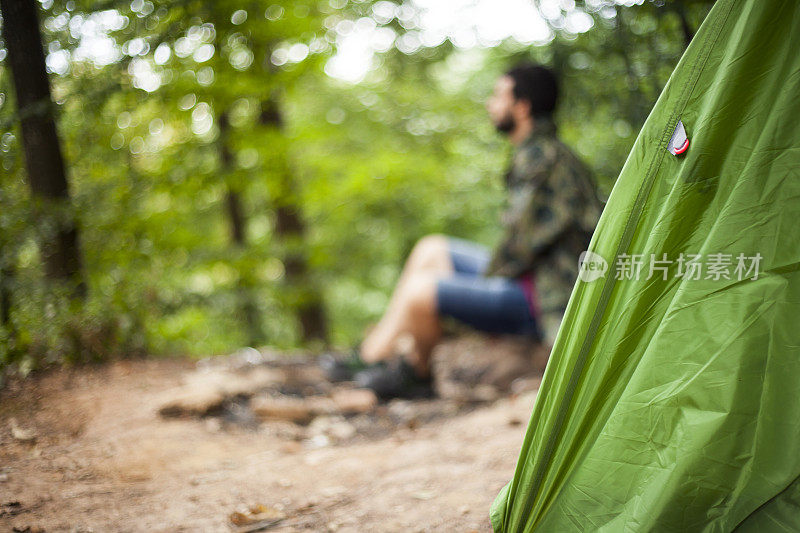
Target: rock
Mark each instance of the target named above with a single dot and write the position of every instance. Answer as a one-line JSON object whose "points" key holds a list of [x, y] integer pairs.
{"points": [[335, 427], [402, 409], [284, 429], [485, 393], [231, 383], [342, 430], [282, 408], [207, 390], [354, 401], [239, 414], [320, 425], [454, 391], [191, 402], [318, 441], [22, 434], [298, 410], [309, 374], [248, 357], [525, 384], [463, 363]]}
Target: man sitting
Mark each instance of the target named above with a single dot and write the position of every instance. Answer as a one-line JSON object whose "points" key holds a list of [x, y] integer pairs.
{"points": [[522, 287]]}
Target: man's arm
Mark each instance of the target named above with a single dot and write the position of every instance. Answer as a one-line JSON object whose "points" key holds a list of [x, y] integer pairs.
{"points": [[535, 222]]}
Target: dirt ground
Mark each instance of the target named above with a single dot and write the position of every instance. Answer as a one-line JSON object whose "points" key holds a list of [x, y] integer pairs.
{"points": [[85, 450]]}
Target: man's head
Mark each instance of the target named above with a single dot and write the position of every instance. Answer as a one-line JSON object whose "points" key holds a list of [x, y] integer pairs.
{"points": [[521, 95]]}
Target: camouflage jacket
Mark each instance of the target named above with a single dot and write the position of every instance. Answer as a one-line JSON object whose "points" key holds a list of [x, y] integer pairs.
{"points": [[552, 211]]}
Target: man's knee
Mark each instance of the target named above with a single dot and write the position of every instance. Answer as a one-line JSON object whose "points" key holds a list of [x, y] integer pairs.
{"points": [[430, 251], [420, 294]]}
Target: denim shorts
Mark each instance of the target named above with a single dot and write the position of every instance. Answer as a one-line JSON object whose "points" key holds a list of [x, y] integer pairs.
{"points": [[494, 304]]}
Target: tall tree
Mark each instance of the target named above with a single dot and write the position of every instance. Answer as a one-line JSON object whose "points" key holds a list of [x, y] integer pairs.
{"points": [[6, 275], [291, 228], [233, 205], [43, 159], [236, 33]]}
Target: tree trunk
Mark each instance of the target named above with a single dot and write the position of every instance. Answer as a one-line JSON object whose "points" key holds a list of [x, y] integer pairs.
{"points": [[236, 217], [688, 32], [5, 298], [291, 229], [43, 160], [6, 277]]}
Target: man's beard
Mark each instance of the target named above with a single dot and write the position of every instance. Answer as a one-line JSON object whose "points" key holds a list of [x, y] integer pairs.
{"points": [[506, 124]]}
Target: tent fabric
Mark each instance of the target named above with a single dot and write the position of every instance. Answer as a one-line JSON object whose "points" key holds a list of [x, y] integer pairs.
{"points": [[673, 403]]}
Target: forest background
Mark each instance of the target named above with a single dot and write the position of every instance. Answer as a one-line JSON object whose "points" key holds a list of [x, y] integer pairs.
{"points": [[190, 177]]}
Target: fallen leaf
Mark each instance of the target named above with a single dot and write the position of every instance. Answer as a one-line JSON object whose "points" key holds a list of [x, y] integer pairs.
{"points": [[21, 434], [255, 515]]}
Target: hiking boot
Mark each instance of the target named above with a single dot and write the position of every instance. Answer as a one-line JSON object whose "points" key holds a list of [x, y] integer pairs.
{"points": [[394, 378], [341, 368]]}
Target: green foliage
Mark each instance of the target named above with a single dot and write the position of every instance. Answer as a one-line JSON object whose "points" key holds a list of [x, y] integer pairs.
{"points": [[370, 167]]}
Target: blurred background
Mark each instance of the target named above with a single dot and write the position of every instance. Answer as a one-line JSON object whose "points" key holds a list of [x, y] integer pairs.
{"points": [[251, 173]]}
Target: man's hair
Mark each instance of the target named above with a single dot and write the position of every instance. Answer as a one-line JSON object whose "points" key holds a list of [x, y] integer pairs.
{"points": [[537, 85]]}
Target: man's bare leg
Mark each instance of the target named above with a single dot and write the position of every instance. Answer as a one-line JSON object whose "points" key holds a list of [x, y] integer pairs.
{"points": [[412, 308], [431, 254], [414, 314]]}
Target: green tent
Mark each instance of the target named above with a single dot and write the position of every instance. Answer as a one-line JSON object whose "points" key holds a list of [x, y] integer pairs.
{"points": [[672, 398]]}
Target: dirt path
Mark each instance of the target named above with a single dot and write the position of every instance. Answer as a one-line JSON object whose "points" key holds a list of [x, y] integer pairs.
{"points": [[103, 460]]}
